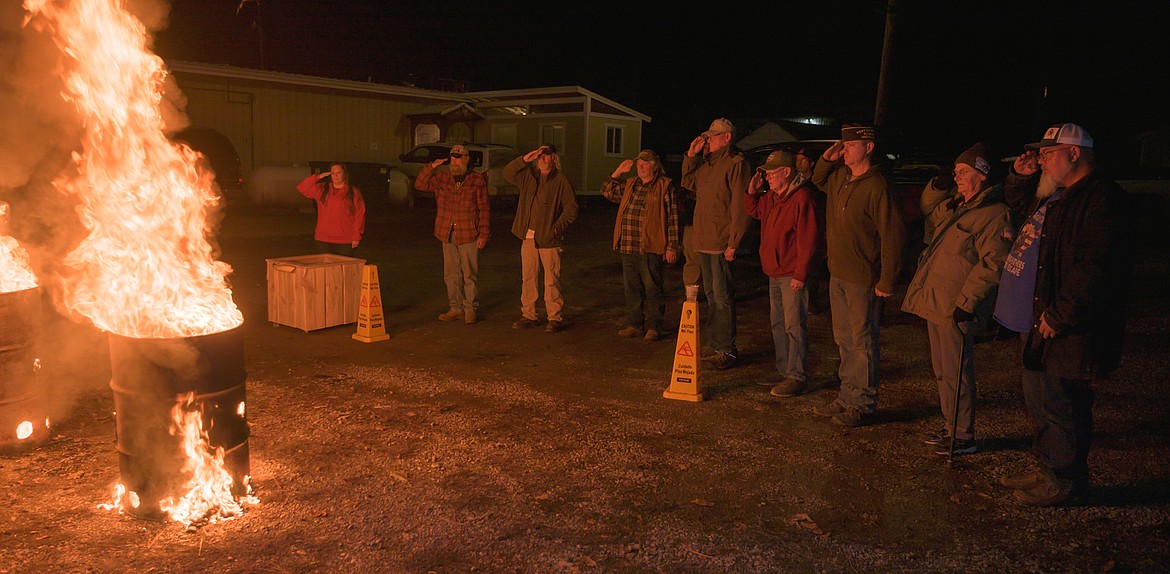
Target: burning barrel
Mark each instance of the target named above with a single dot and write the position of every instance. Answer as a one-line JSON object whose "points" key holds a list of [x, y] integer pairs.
{"points": [[151, 377], [24, 419]]}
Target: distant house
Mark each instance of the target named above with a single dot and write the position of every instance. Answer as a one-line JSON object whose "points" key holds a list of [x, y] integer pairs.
{"points": [[766, 132], [280, 119]]}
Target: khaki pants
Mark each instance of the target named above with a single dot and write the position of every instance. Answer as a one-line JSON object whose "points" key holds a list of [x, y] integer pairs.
{"points": [[532, 259], [460, 271]]}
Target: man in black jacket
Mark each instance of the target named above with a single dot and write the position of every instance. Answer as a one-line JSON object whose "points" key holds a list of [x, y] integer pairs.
{"points": [[1063, 287]]}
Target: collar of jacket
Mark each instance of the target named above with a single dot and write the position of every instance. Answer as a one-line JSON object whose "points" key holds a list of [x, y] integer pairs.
{"points": [[986, 196], [718, 155]]}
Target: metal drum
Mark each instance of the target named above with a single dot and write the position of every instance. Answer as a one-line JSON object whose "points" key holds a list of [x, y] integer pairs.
{"points": [[24, 419], [151, 376]]}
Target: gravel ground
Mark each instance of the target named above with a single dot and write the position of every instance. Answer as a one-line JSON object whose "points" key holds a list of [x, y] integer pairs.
{"points": [[452, 448]]}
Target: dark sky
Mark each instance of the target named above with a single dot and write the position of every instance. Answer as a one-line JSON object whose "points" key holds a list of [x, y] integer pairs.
{"points": [[960, 71]]}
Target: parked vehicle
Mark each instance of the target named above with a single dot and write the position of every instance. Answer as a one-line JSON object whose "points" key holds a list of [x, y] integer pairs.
{"points": [[486, 158]]}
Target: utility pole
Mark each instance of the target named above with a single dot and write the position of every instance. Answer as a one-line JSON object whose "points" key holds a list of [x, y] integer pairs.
{"points": [[883, 88]]}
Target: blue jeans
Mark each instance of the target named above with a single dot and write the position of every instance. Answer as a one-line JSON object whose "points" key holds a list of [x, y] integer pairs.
{"points": [[789, 315], [718, 331], [856, 312], [645, 296]]}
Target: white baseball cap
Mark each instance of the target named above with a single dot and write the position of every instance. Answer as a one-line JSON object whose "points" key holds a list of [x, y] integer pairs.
{"points": [[1064, 134]]}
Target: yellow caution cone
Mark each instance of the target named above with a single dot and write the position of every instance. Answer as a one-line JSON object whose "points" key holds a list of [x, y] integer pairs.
{"points": [[684, 380], [370, 325]]}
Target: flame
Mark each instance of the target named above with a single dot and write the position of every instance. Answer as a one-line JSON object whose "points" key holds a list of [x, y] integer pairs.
{"points": [[207, 493], [15, 273], [146, 268], [24, 430]]}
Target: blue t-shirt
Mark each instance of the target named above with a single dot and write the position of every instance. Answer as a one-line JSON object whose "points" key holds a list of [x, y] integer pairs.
{"points": [[1017, 281]]}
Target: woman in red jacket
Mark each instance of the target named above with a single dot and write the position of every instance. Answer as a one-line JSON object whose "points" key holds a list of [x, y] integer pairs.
{"points": [[341, 211]]}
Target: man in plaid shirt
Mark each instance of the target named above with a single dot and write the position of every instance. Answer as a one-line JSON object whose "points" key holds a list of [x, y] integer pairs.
{"points": [[462, 224], [645, 235]]}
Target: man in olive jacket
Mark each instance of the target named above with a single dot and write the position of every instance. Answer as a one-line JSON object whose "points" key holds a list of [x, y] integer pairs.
{"points": [[864, 238], [954, 287], [1063, 287], [719, 175], [544, 209]]}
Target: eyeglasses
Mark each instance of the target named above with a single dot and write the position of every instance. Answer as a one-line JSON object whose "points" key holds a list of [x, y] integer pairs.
{"points": [[456, 155], [1045, 152]]}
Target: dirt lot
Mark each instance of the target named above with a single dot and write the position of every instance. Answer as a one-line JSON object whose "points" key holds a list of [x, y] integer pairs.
{"points": [[454, 448]]}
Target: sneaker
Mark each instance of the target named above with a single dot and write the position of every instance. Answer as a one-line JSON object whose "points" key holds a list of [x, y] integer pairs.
{"points": [[830, 409], [789, 387], [553, 327], [854, 417], [630, 332], [451, 315], [1051, 492], [962, 446], [1024, 481], [723, 361], [470, 317], [525, 323], [652, 335], [939, 436]]}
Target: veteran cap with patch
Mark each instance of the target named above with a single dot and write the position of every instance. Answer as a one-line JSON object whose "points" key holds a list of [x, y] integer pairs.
{"points": [[719, 126], [854, 133], [778, 159]]}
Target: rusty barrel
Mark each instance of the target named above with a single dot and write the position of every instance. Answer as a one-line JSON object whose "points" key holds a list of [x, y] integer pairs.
{"points": [[24, 418], [151, 376]]}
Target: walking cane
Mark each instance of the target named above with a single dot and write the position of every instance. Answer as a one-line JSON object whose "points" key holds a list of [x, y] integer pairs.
{"points": [[958, 392]]}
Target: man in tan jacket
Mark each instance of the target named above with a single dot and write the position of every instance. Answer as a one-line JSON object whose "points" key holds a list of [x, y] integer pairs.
{"points": [[954, 286]]}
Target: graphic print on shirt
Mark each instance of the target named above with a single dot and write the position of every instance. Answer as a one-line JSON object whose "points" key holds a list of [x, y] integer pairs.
{"points": [[1014, 263]]}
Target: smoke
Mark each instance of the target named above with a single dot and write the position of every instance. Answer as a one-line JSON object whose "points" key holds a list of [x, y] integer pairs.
{"points": [[39, 133]]}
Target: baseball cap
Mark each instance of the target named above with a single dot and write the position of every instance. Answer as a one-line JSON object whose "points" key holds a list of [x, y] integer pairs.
{"points": [[1062, 134], [779, 158], [548, 149], [719, 126], [853, 133], [458, 150], [976, 157], [647, 155]]}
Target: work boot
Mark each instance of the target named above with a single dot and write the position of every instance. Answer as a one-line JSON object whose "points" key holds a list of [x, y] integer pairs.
{"points": [[829, 409], [652, 335], [723, 361], [469, 316], [525, 323], [789, 387], [452, 314], [962, 446], [707, 354], [854, 417], [1024, 480], [1051, 492], [630, 332], [553, 327]]}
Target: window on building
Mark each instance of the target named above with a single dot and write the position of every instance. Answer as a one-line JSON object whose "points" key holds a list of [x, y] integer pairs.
{"points": [[613, 140]]}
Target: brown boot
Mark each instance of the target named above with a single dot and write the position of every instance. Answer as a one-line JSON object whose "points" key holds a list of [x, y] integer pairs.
{"points": [[451, 315], [469, 316], [789, 387]]}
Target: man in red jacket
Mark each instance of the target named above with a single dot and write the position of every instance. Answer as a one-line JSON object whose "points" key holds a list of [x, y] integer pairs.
{"points": [[790, 235]]}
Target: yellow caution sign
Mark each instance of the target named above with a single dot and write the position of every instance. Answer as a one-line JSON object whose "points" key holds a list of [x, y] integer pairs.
{"points": [[684, 381], [370, 325]]}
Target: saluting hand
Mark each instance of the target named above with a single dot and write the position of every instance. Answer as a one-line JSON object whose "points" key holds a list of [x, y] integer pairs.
{"points": [[623, 168], [1027, 163], [532, 155], [696, 146], [834, 152], [757, 182], [438, 162]]}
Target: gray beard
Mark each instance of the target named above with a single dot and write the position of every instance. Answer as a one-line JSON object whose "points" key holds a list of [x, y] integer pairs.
{"points": [[458, 171], [1046, 187]]}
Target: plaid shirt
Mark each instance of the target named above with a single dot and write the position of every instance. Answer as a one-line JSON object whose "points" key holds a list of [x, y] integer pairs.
{"points": [[464, 213], [633, 216]]}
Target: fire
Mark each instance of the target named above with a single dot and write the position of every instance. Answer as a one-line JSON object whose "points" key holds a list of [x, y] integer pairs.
{"points": [[146, 268], [207, 494], [15, 272]]}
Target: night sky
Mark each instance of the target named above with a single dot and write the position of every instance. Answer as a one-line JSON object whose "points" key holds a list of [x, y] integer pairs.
{"points": [[960, 71]]}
